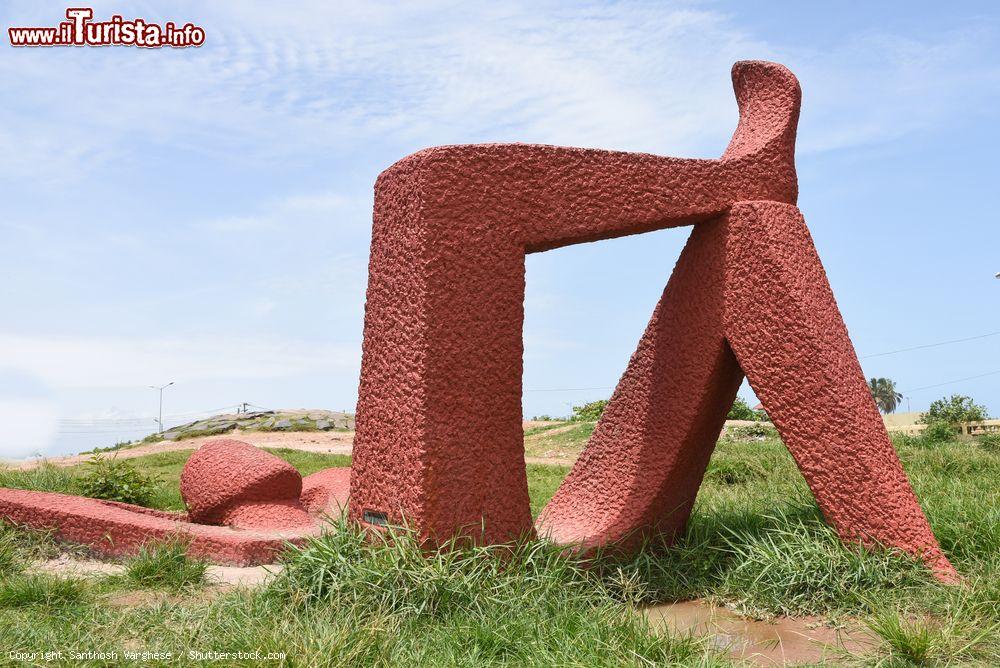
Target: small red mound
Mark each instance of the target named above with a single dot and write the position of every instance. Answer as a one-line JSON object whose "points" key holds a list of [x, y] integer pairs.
{"points": [[276, 515], [225, 474], [326, 491]]}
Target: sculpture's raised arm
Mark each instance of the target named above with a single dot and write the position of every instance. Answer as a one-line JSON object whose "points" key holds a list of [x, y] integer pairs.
{"points": [[551, 196]]}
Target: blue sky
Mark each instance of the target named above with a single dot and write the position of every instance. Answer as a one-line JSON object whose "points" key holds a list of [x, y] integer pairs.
{"points": [[202, 215]]}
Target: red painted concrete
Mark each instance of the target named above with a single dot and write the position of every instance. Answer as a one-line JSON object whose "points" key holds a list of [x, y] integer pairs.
{"points": [[786, 331], [225, 474], [326, 492], [748, 294], [644, 463], [438, 431], [442, 360], [115, 529], [244, 507]]}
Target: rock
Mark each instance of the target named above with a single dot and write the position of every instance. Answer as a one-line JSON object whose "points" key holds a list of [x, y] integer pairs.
{"points": [[224, 425]]}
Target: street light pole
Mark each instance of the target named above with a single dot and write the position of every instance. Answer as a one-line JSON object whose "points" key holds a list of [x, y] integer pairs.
{"points": [[161, 388]]}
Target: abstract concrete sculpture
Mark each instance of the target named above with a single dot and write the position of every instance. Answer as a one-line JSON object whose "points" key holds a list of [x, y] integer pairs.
{"points": [[244, 506], [442, 352]]}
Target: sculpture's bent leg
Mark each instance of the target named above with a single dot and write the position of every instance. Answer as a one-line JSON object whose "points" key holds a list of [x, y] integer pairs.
{"points": [[748, 283], [785, 328], [642, 468]]}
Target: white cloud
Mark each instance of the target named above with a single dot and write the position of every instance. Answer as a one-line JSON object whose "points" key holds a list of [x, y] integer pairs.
{"points": [[877, 87], [271, 83], [263, 307], [132, 362], [333, 81], [298, 211], [29, 425]]}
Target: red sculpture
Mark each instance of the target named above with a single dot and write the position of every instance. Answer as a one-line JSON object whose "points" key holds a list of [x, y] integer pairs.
{"points": [[244, 506], [443, 346], [443, 349]]}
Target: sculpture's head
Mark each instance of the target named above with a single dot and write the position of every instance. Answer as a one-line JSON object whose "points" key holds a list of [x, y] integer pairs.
{"points": [[768, 95]]}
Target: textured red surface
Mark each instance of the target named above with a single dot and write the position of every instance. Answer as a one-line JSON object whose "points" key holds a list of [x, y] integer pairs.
{"points": [[644, 463], [748, 294], [116, 529], [225, 474], [438, 431], [326, 492], [252, 493]]}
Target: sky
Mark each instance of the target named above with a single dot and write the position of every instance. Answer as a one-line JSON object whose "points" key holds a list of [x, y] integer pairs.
{"points": [[202, 216]]}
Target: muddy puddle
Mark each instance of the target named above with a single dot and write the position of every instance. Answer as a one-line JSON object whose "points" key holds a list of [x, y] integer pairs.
{"points": [[786, 640]]}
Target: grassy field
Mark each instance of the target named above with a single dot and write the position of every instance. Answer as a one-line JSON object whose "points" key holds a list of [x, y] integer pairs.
{"points": [[756, 543], [557, 440]]}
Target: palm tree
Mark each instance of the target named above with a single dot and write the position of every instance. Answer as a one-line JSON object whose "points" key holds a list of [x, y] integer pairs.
{"points": [[885, 395]]}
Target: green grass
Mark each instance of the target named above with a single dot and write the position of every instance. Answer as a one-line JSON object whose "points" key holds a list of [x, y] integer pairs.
{"points": [[905, 641], [541, 429], [343, 600], [121, 445], [543, 481], [10, 555], [989, 442], [32, 590], [565, 439], [44, 478], [756, 542], [208, 431], [21, 543], [310, 462], [165, 566], [524, 605]]}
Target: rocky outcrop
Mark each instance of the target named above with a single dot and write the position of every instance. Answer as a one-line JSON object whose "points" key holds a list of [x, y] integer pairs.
{"points": [[302, 420]]}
